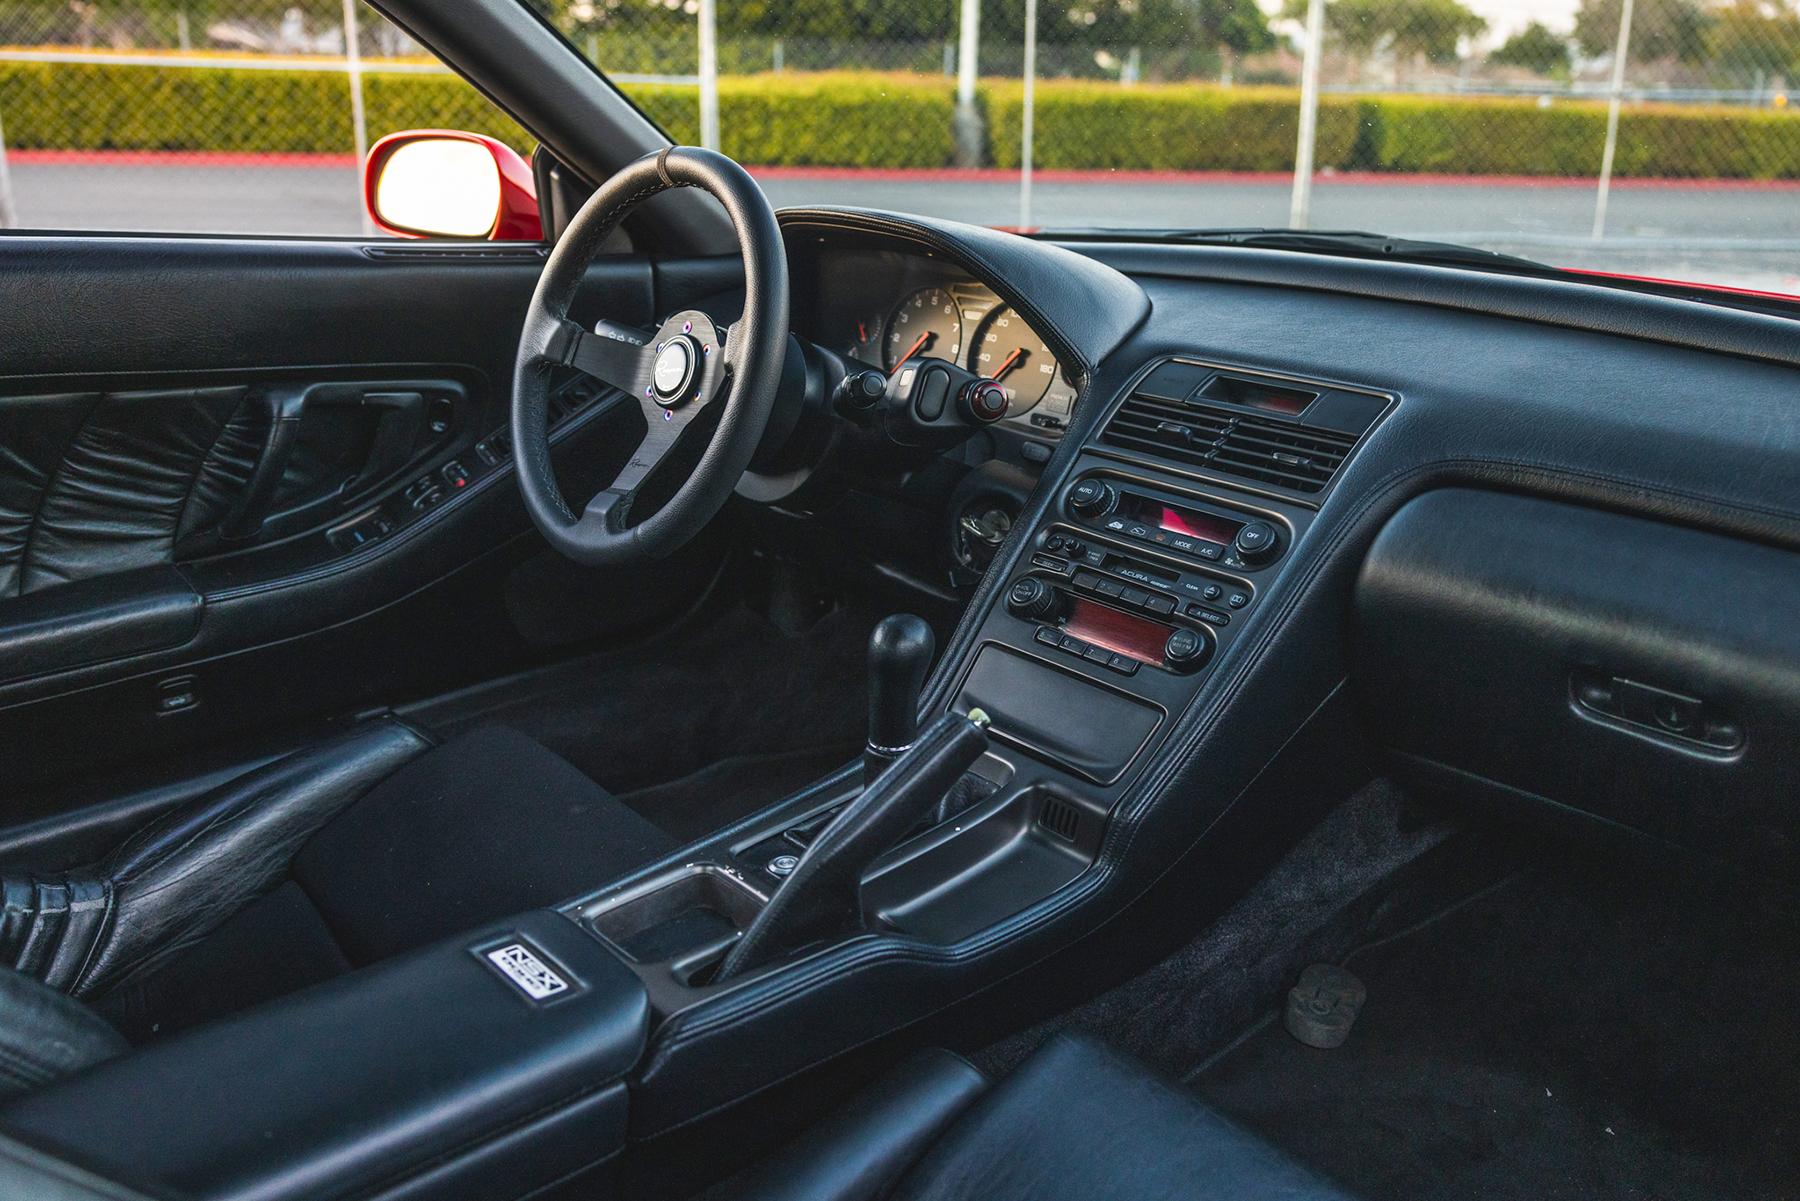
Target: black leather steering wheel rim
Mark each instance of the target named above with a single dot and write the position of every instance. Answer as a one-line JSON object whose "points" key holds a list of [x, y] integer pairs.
{"points": [[739, 369]]}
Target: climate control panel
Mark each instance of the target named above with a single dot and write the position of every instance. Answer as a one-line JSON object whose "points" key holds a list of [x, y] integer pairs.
{"points": [[1184, 526]]}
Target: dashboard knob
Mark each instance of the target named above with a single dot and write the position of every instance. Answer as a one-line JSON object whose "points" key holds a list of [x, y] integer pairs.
{"points": [[1256, 543], [1187, 649], [861, 389], [983, 401], [1031, 598], [1092, 498]]}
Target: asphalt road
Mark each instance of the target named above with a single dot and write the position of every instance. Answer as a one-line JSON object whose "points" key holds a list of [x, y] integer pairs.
{"points": [[1738, 236]]}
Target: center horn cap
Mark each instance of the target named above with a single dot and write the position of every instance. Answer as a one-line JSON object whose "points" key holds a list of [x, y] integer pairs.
{"points": [[673, 374]]}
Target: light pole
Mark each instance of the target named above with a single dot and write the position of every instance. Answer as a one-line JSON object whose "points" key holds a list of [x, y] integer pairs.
{"points": [[709, 76], [1299, 209], [968, 66], [1027, 114], [1612, 121]]}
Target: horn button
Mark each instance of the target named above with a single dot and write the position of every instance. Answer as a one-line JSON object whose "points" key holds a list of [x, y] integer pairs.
{"points": [[673, 374]]}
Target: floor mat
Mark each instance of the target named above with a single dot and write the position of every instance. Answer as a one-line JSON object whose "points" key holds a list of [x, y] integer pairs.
{"points": [[1183, 1009], [1582, 1030]]}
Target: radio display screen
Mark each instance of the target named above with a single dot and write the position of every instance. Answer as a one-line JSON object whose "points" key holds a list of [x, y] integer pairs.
{"points": [[1179, 520], [1117, 631]]}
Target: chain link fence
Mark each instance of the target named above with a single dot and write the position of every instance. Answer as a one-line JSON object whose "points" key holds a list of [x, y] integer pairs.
{"points": [[1490, 88]]}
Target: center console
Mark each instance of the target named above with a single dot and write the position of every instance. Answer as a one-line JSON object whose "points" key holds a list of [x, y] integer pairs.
{"points": [[1161, 543]]}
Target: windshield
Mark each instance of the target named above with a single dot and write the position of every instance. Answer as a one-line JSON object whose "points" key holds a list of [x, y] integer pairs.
{"points": [[1649, 138]]}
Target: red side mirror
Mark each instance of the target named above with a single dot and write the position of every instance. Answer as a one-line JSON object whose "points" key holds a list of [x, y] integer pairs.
{"points": [[434, 183]]}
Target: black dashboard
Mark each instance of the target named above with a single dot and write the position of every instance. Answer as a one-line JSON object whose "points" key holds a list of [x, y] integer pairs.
{"points": [[1223, 597]]}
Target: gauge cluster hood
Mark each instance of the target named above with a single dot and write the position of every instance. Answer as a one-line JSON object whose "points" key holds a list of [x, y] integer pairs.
{"points": [[1084, 309]]}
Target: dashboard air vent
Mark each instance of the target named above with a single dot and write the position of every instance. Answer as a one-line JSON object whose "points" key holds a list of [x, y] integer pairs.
{"points": [[1251, 446]]}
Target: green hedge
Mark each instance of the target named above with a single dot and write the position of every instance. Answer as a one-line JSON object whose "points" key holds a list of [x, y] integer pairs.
{"points": [[1485, 136], [875, 120], [823, 120], [1168, 127], [80, 106]]}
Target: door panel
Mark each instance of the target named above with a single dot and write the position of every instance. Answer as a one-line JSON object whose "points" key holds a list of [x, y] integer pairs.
{"points": [[244, 482]]}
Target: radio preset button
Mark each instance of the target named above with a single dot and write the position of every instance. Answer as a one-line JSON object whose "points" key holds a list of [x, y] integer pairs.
{"points": [[1048, 636], [1134, 596], [1097, 654], [1109, 588], [1162, 604], [1123, 664]]}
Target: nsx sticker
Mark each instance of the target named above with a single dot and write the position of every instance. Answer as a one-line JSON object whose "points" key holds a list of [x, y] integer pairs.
{"points": [[533, 976]]}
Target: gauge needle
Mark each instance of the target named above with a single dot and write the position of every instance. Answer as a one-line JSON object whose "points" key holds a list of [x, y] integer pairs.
{"points": [[925, 337], [1007, 363]]}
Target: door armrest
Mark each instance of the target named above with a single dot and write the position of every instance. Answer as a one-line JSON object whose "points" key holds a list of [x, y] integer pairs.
{"points": [[93, 620]]}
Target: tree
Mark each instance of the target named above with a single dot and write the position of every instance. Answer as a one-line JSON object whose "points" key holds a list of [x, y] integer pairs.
{"points": [[1749, 37], [1408, 27], [1659, 29], [1536, 49]]}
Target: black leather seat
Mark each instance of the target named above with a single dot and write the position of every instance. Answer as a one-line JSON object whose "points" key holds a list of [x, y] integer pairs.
{"points": [[347, 852], [1075, 1122]]}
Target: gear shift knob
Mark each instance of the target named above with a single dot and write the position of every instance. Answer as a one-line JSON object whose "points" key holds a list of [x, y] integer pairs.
{"points": [[900, 652]]}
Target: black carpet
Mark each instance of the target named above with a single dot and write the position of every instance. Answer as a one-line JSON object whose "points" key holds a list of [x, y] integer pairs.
{"points": [[1581, 1030], [1182, 1010]]}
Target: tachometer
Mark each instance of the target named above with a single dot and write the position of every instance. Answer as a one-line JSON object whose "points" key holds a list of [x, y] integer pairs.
{"points": [[926, 323], [1008, 352]]}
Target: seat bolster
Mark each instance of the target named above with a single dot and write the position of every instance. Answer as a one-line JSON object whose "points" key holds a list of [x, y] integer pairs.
{"points": [[1078, 1122], [45, 1035], [861, 1150], [185, 875]]}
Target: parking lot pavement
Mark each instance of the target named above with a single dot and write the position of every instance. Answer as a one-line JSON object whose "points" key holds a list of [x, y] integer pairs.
{"points": [[1737, 235]]}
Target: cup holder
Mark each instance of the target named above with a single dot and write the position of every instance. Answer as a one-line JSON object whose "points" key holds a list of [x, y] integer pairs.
{"points": [[686, 920]]}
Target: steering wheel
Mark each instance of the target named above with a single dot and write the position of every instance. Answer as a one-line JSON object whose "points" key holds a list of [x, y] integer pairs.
{"points": [[675, 375]]}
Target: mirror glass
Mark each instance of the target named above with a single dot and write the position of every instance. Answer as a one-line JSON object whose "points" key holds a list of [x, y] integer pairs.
{"points": [[440, 186]]}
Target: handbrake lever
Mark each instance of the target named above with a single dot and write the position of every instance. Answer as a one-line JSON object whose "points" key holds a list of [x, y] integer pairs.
{"points": [[822, 897]]}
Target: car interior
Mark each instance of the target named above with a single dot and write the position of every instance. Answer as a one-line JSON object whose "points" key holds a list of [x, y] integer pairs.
{"points": [[641, 712]]}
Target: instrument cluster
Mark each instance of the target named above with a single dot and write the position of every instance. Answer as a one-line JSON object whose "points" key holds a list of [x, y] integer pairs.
{"points": [[954, 319]]}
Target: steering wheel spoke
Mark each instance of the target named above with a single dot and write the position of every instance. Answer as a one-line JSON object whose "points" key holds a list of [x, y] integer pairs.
{"points": [[667, 430], [609, 354]]}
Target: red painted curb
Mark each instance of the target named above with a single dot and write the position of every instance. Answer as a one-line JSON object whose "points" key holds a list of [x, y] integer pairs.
{"points": [[173, 158], [1324, 179]]}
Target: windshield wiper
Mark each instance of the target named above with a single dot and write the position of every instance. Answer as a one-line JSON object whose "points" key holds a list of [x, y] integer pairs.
{"points": [[1351, 242]]}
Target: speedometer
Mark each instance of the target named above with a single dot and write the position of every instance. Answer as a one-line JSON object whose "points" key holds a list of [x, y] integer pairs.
{"points": [[926, 323], [1008, 352]]}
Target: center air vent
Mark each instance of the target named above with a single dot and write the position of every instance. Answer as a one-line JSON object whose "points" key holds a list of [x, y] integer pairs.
{"points": [[1251, 446]]}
